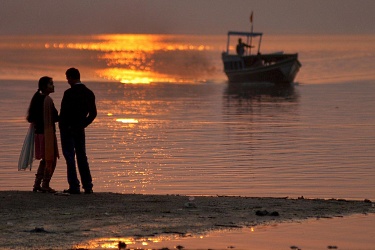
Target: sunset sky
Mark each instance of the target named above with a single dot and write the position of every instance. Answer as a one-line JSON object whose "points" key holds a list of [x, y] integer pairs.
{"points": [[185, 16]]}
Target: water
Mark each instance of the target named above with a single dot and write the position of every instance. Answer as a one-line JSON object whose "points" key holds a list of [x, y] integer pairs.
{"points": [[186, 131], [311, 235]]}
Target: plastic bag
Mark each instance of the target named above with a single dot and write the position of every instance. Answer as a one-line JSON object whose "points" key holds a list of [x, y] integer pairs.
{"points": [[27, 152]]}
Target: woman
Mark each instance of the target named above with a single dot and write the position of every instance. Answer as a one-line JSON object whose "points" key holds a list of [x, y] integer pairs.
{"points": [[43, 115]]}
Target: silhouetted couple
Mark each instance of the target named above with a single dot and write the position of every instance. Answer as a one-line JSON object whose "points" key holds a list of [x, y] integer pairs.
{"points": [[78, 110]]}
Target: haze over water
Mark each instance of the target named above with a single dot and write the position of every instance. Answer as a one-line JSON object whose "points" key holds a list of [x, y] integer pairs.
{"points": [[184, 130]]}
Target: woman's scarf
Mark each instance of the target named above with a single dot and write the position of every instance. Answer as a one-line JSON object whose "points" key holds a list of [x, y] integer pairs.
{"points": [[50, 140], [27, 153]]}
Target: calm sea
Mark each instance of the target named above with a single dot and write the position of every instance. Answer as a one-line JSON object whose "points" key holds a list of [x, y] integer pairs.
{"points": [[169, 123]]}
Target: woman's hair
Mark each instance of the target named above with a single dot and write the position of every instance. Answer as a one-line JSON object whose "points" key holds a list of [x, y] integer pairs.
{"points": [[43, 82], [37, 100]]}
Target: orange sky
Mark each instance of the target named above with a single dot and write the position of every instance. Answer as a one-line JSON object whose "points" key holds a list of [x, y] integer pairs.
{"points": [[185, 16]]}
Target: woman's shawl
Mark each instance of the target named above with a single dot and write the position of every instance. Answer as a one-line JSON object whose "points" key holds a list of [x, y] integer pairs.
{"points": [[27, 153], [51, 150]]}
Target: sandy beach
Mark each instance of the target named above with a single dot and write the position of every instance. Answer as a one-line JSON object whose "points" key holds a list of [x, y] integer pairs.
{"points": [[37, 220]]}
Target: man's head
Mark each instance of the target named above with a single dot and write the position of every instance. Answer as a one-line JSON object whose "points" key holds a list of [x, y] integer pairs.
{"points": [[73, 76]]}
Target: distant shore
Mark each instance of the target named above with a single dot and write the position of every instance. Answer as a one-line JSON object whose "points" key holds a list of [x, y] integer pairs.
{"points": [[37, 220]]}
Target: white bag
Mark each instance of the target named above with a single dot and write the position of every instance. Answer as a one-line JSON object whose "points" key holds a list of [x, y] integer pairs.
{"points": [[27, 152]]}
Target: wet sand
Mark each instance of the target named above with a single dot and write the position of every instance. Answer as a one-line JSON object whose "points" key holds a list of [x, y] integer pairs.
{"points": [[36, 220]]}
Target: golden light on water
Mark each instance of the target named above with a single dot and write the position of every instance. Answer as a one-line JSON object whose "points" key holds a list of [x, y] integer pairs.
{"points": [[132, 76], [132, 243], [127, 120], [142, 59], [148, 241]]}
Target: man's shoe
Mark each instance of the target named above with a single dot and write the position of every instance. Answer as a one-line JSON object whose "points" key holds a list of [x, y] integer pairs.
{"points": [[71, 191], [89, 191], [48, 190]]}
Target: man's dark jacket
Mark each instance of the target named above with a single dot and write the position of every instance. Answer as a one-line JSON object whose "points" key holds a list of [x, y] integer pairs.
{"points": [[78, 108]]}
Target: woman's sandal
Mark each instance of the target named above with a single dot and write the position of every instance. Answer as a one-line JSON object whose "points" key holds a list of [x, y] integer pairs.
{"points": [[37, 189]]}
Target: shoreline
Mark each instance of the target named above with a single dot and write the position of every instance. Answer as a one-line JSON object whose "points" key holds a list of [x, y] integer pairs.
{"points": [[39, 220]]}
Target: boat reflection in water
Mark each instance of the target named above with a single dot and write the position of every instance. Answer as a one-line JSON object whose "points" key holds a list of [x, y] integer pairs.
{"points": [[261, 106], [260, 92]]}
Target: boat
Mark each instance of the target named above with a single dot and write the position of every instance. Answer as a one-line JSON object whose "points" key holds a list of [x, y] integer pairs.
{"points": [[245, 65]]}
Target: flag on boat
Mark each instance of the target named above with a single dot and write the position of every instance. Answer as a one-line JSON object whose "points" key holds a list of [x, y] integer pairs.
{"points": [[251, 17]]}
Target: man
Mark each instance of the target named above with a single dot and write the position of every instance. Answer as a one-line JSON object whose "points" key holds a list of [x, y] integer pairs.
{"points": [[78, 110], [240, 48]]}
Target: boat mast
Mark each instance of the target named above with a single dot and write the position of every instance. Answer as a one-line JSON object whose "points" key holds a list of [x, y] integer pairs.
{"points": [[228, 43], [260, 40], [251, 37]]}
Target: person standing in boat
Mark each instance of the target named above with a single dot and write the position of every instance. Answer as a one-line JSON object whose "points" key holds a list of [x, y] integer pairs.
{"points": [[240, 49]]}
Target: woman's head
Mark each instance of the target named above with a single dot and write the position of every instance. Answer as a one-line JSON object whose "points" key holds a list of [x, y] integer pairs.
{"points": [[45, 85]]}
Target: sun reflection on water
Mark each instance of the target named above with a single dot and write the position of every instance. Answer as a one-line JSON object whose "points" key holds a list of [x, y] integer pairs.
{"points": [[131, 242], [127, 120], [213, 238], [143, 59]]}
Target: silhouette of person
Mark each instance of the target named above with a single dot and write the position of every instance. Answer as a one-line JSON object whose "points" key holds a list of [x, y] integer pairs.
{"points": [[78, 110], [43, 115], [240, 49]]}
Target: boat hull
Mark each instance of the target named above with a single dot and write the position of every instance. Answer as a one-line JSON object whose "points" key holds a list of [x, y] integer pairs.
{"points": [[277, 69]]}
